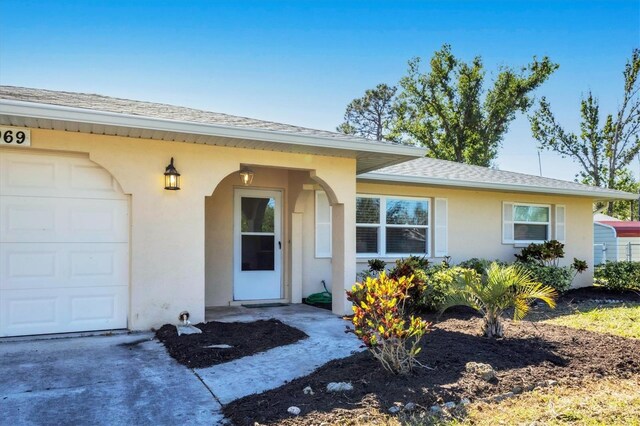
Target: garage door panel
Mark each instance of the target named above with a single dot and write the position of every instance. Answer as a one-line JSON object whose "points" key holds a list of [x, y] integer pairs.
{"points": [[39, 220], [51, 175], [57, 265], [62, 310], [64, 245]]}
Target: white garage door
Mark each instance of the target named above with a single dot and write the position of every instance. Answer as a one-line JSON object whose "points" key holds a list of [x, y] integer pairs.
{"points": [[64, 245]]}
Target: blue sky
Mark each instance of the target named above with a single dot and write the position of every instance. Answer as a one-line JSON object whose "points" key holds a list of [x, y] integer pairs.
{"points": [[301, 62]]}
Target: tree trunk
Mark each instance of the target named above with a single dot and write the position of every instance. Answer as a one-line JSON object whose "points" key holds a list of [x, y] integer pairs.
{"points": [[493, 326]]}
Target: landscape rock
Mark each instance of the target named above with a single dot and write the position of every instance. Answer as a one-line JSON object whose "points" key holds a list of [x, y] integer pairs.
{"points": [[449, 405], [517, 390], [339, 387], [394, 410], [484, 371], [293, 410], [187, 329], [551, 382], [218, 347], [308, 390], [503, 396], [435, 409], [409, 406], [465, 401]]}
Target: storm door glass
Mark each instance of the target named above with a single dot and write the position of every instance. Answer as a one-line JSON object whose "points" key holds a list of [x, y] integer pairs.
{"points": [[257, 234]]}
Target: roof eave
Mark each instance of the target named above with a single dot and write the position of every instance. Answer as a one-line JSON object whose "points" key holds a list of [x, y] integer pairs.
{"points": [[596, 195], [82, 115]]}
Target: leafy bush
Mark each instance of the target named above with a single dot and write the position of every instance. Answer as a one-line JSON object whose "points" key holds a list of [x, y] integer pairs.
{"points": [[412, 266], [501, 288], [618, 276], [548, 253], [479, 265], [380, 321], [558, 277], [438, 286]]}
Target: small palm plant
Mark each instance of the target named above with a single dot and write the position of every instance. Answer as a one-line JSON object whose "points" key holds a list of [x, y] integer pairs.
{"points": [[501, 288]]}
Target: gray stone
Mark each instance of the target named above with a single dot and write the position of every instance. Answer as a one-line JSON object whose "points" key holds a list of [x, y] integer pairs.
{"points": [[435, 409], [503, 396], [484, 371], [449, 405], [339, 387], [409, 406], [293, 410], [218, 347], [465, 401], [551, 382], [308, 390], [394, 410], [517, 390], [187, 329]]}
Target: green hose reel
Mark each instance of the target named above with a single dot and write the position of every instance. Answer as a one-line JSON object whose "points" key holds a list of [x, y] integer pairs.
{"points": [[322, 298]]}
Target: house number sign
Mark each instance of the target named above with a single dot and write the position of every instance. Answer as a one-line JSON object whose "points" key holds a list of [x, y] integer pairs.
{"points": [[15, 136]]}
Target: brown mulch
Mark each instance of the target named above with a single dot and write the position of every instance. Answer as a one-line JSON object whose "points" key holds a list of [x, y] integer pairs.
{"points": [[247, 338], [531, 353]]}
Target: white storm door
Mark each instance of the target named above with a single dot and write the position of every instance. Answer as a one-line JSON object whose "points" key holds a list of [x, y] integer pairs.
{"points": [[257, 245]]}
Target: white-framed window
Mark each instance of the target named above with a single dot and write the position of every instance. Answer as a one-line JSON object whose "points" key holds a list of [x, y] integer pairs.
{"points": [[323, 225], [392, 226], [525, 223]]}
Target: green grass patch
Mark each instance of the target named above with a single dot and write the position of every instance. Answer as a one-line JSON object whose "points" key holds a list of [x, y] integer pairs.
{"points": [[621, 320]]}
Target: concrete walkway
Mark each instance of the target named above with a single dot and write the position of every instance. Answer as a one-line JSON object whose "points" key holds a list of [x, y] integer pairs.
{"points": [[268, 370], [131, 379]]}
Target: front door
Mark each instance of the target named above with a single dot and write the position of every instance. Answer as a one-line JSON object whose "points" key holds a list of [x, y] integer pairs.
{"points": [[257, 245]]}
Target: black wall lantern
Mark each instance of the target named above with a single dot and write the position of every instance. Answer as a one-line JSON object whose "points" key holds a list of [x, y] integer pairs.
{"points": [[171, 177]]}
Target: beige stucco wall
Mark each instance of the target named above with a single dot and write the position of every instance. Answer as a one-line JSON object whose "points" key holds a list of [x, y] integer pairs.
{"points": [[475, 222], [168, 227]]}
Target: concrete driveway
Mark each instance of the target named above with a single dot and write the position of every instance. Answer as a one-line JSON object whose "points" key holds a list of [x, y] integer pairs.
{"points": [[131, 379], [99, 380]]}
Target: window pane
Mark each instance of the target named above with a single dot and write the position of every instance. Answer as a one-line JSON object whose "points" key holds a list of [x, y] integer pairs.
{"points": [[531, 214], [407, 212], [524, 232], [257, 214], [367, 210], [258, 252], [366, 240], [407, 240]]}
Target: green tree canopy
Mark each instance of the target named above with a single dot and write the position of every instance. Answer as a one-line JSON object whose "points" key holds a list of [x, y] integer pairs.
{"points": [[446, 108], [372, 115]]}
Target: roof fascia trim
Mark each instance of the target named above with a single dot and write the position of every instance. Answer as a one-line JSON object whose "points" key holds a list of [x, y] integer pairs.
{"points": [[82, 115]]}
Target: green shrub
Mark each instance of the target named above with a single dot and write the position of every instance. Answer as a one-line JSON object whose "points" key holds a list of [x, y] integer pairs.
{"points": [[479, 265], [557, 277], [438, 286], [380, 321], [412, 266], [548, 253], [618, 275]]}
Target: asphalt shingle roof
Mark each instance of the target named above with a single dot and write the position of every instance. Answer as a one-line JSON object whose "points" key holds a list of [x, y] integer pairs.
{"points": [[157, 110], [457, 174]]}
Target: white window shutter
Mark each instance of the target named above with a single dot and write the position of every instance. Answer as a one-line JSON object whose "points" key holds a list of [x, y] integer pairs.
{"points": [[507, 223], [323, 225], [441, 248], [561, 230]]}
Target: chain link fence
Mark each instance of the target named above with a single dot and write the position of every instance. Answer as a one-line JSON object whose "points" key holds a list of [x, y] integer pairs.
{"points": [[610, 253]]}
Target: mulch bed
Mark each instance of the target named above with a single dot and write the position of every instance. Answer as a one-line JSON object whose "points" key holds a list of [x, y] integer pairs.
{"points": [[531, 353], [247, 338]]}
